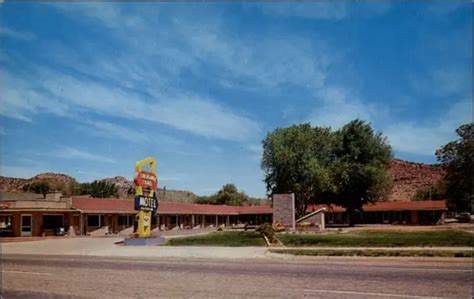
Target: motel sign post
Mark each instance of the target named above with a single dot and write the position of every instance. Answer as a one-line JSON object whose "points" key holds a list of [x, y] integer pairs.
{"points": [[146, 202]]}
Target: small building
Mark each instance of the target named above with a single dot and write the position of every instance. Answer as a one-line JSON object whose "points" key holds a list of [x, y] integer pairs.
{"points": [[394, 212], [26, 214]]}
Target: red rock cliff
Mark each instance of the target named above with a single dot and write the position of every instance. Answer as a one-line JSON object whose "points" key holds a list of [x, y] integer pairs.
{"points": [[409, 177]]}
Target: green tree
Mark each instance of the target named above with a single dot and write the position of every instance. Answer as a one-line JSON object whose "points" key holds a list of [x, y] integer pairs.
{"points": [[100, 189], [297, 160], [457, 158], [40, 187], [434, 192], [360, 171], [227, 195]]}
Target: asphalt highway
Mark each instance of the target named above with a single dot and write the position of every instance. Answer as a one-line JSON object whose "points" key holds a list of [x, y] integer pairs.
{"points": [[28, 276]]}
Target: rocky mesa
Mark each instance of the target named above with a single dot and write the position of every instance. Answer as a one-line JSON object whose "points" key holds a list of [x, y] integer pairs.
{"points": [[409, 177], [56, 180]]}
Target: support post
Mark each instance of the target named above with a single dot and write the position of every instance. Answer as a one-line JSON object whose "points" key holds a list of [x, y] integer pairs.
{"points": [[144, 224]]}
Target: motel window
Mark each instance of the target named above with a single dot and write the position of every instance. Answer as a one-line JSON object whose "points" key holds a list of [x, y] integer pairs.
{"points": [[93, 220], [53, 221], [5, 225], [5, 222], [124, 220]]}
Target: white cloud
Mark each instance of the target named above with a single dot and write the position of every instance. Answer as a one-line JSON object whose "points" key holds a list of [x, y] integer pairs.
{"points": [[25, 36], [445, 7], [108, 13], [310, 10], [268, 63], [205, 118], [73, 153], [410, 137], [337, 106], [240, 62], [111, 130], [324, 10], [69, 96], [446, 80]]}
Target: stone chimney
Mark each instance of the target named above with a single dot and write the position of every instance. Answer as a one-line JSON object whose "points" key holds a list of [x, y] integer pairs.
{"points": [[54, 196]]}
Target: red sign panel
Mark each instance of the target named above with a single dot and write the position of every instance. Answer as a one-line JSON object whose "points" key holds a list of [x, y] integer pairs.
{"points": [[146, 180]]}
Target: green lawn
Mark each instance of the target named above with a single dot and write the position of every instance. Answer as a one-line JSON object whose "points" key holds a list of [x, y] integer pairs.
{"points": [[375, 253], [220, 239], [382, 239], [353, 239]]}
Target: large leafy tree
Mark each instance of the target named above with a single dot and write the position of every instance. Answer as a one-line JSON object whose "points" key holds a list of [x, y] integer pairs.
{"points": [[297, 160], [227, 195], [41, 187], [457, 157], [98, 189], [360, 171]]}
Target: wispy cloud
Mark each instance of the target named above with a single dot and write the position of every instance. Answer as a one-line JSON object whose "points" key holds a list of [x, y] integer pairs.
{"points": [[425, 139], [338, 106], [73, 153], [25, 36], [443, 81], [69, 96], [108, 13], [440, 7], [324, 10], [311, 10], [111, 130]]}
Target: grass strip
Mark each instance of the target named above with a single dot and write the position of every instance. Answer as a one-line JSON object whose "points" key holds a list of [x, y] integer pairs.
{"points": [[375, 252], [220, 239], [452, 238], [441, 238]]}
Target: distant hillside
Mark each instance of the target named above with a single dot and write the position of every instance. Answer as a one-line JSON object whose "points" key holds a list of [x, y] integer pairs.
{"points": [[124, 186], [121, 183], [176, 195], [409, 177], [57, 181]]}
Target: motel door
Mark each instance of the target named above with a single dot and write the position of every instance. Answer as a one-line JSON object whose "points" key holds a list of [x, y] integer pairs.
{"points": [[26, 225]]}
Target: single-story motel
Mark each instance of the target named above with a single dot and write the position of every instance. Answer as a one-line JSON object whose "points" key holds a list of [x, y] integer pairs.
{"points": [[33, 215]]}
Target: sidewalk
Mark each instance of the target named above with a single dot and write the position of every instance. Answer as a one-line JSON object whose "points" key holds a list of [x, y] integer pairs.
{"points": [[90, 246], [112, 247]]}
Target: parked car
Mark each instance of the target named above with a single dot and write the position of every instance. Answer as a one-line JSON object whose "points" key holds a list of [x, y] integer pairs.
{"points": [[463, 217], [60, 231]]}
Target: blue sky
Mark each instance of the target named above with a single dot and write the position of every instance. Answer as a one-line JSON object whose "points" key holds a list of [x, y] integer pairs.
{"points": [[88, 89]]}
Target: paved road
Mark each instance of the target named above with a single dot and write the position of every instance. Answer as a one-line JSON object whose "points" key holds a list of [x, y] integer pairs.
{"points": [[28, 276]]}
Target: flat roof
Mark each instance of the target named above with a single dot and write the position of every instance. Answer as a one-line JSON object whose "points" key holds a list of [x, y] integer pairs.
{"points": [[427, 205], [112, 205], [126, 206]]}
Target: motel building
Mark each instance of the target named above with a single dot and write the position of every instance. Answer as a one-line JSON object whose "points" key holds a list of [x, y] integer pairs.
{"points": [[25, 214]]}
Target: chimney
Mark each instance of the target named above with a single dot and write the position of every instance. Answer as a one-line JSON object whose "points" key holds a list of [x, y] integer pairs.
{"points": [[54, 196]]}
